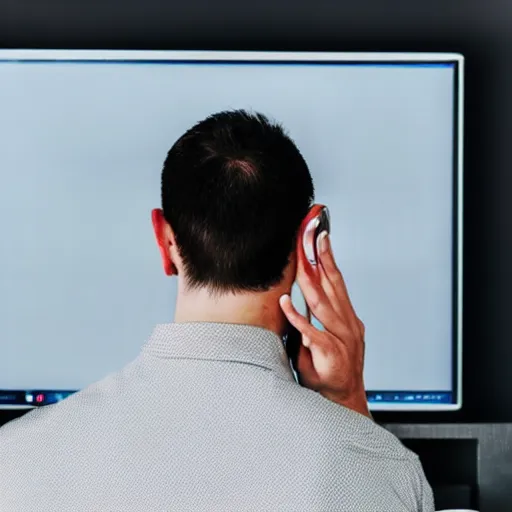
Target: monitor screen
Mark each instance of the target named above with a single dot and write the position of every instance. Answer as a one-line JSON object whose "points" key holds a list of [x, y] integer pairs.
{"points": [[83, 138]]}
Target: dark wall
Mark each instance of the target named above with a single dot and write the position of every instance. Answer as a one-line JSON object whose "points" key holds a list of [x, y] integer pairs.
{"points": [[480, 30]]}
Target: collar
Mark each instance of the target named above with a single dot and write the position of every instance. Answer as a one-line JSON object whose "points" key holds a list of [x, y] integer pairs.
{"points": [[220, 342]]}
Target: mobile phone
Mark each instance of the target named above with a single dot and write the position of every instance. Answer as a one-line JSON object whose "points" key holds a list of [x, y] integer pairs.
{"points": [[315, 222]]}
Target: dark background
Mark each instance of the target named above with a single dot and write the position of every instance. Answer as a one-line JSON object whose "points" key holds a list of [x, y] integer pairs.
{"points": [[478, 29]]}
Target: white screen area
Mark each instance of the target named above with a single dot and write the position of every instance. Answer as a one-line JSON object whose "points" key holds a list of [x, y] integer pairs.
{"points": [[82, 147]]}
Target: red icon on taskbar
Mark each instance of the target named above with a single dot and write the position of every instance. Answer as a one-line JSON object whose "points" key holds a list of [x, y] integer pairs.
{"points": [[39, 398]]}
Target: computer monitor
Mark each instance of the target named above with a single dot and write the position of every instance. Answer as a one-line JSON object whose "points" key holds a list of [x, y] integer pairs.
{"points": [[83, 138]]}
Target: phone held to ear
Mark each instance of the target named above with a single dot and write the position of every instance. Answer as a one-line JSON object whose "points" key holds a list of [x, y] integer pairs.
{"points": [[316, 222]]}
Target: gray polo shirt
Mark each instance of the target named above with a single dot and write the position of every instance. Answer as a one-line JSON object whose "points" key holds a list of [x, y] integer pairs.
{"points": [[207, 418]]}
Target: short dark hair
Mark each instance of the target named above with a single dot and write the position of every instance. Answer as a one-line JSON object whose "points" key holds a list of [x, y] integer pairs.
{"points": [[235, 189]]}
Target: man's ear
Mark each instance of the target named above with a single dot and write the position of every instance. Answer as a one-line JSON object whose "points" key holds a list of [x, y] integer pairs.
{"points": [[164, 240]]}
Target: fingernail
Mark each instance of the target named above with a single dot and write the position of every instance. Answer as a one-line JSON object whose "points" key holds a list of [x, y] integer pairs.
{"points": [[322, 243], [283, 298]]}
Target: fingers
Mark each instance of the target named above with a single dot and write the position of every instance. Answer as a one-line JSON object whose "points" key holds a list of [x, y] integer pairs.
{"points": [[328, 263], [330, 291], [298, 321], [335, 278], [319, 300], [317, 341]]}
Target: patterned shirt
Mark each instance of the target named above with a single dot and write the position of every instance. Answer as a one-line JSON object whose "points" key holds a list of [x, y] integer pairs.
{"points": [[207, 418]]}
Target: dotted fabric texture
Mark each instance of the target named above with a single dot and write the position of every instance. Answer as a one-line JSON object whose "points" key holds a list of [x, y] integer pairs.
{"points": [[207, 418]]}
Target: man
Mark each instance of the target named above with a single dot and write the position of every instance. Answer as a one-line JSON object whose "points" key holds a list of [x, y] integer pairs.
{"points": [[209, 416]]}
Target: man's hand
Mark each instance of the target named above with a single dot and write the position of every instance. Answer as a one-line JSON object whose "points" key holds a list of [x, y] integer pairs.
{"points": [[329, 361]]}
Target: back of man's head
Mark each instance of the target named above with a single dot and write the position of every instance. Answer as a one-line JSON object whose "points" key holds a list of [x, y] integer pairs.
{"points": [[235, 189]]}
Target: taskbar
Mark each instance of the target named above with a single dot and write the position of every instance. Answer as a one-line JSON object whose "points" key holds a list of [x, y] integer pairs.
{"points": [[41, 397], [410, 397], [32, 397]]}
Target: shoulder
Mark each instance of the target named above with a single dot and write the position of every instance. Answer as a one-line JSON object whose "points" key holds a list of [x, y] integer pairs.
{"points": [[337, 425], [351, 448], [33, 429], [38, 429], [21, 440]]}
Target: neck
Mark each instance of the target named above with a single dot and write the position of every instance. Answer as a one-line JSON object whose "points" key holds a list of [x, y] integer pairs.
{"points": [[259, 309]]}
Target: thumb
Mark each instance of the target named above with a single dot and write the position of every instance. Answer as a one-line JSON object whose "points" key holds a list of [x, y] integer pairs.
{"points": [[300, 322]]}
